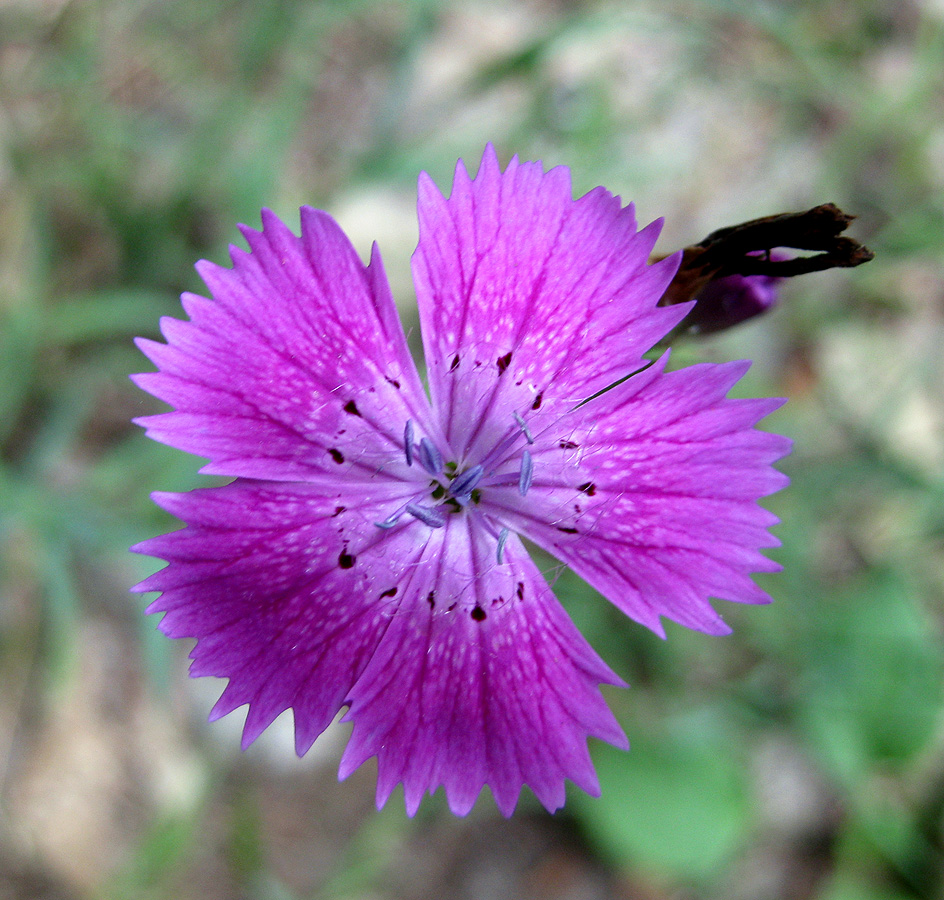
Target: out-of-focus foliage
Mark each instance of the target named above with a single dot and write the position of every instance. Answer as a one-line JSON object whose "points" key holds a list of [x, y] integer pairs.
{"points": [[801, 757]]}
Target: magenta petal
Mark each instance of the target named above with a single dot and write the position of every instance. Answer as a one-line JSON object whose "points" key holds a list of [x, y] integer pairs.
{"points": [[299, 358], [671, 471], [284, 588], [481, 678], [528, 296]]}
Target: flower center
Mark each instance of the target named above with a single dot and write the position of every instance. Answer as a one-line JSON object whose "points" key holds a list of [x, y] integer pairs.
{"points": [[452, 490]]}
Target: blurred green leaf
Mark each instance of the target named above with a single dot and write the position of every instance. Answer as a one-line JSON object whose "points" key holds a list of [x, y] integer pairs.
{"points": [[107, 314], [676, 804], [871, 686], [852, 887], [19, 341], [159, 860]]}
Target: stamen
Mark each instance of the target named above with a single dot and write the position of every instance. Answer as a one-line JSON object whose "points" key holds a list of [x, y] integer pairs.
{"points": [[391, 520], [524, 475], [427, 515], [430, 457], [408, 442], [524, 427], [467, 481], [502, 538]]}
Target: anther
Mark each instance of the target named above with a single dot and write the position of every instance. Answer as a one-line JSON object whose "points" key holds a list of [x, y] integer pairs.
{"points": [[427, 515], [390, 521], [524, 427], [524, 475], [430, 457], [500, 551], [464, 484], [408, 442]]}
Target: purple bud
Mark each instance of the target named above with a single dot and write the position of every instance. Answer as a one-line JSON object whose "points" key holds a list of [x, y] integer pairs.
{"points": [[725, 302]]}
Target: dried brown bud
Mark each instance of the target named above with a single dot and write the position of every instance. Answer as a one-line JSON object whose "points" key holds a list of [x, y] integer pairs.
{"points": [[731, 258]]}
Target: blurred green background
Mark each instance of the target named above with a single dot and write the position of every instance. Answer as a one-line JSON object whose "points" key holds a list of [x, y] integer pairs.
{"points": [[801, 757]]}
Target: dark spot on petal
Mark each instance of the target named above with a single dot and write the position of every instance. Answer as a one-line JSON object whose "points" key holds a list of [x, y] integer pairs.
{"points": [[454, 364], [351, 407], [503, 362], [336, 455], [588, 487], [346, 560], [520, 591], [568, 445], [478, 613], [390, 592], [338, 510], [394, 382], [537, 401], [567, 530], [452, 607], [431, 599]]}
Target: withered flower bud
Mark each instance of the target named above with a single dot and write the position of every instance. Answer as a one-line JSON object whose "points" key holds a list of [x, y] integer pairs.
{"points": [[733, 273]]}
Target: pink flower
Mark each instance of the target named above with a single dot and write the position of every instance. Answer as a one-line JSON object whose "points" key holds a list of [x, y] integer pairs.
{"points": [[367, 554]]}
